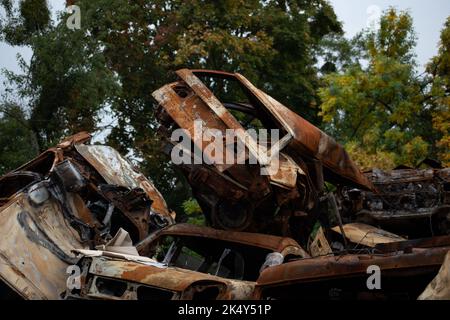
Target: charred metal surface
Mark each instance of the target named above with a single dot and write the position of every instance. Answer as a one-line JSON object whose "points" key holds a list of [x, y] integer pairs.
{"points": [[35, 249], [404, 275], [442, 241], [410, 202], [237, 197], [35, 234], [384, 214], [272, 243], [85, 204], [67, 199], [439, 288], [115, 279]]}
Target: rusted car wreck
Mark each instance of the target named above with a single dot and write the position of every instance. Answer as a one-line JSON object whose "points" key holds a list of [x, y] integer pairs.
{"points": [[73, 196], [295, 218], [236, 196]]}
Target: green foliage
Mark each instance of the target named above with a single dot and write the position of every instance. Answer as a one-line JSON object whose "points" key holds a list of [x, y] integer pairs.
{"points": [[17, 142], [395, 38], [439, 69], [194, 212], [382, 110], [29, 18]]}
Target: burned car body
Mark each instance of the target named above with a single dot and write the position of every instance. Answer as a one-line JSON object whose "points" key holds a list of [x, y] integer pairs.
{"points": [[134, 278], [380, 218], [404, 268], [197, 263], [237, 196], [411, 202], [68, 198]]}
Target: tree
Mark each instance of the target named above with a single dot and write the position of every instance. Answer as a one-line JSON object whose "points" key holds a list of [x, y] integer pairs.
{"points": [[381, 108], [126, 49], [17, 142], [439, 69]]}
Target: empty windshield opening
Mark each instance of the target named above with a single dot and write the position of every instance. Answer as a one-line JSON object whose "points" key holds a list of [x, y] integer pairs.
{"points": [[216, 257], [245, 107]]}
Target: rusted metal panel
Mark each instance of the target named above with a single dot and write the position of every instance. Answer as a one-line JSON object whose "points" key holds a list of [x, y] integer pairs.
{"points": [[179, 281], [77, 138], [185, 111], [273, 243], [408, 201], [286, 174], [117, 171], [439, 288], [173, 279], [59, 202], [112, 167], [294, 183], [309, 138], [438, 241], [36, 248], [220, 111], [352, 264], [320, 246], [366, 235]]}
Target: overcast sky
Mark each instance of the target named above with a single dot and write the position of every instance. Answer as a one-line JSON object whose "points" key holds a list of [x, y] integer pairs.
{"points": [[429, 17]]}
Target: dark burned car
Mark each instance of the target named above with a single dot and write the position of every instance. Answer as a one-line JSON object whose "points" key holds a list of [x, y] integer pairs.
{"points": [[405, 269], [290, 200], [237, 197], [190, 262], [73, 196], [411, 202]]}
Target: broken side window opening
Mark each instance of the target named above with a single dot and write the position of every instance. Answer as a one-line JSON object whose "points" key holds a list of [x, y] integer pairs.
{"points": [[242, 105]]}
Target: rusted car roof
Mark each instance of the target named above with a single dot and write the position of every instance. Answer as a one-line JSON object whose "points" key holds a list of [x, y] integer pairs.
{"points": [[273, 243]]}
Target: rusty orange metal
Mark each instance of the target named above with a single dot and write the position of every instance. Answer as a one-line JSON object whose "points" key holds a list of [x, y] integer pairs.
{"points": [[309, 139], [270, 242]]}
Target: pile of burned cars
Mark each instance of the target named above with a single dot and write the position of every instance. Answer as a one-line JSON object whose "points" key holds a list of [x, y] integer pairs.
{"points": [[276, 229]]}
